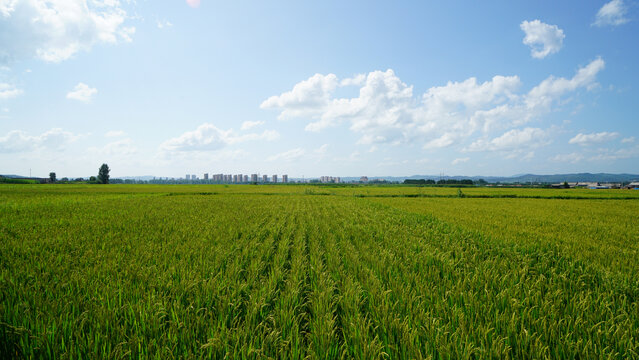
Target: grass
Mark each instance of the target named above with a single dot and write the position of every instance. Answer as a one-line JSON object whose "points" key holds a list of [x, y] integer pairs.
{"points": [[278, 272]]}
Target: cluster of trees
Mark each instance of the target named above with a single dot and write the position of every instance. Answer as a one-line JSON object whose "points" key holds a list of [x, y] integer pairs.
{"points": [[102, 178]]}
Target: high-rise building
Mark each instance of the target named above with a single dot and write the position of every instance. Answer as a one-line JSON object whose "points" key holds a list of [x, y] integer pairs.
{"points": [[188, 177], [193, 177], [284, 178], [274, 178], [265, 178], [245, 178], [254, 178], [206, 176], [240, 178], [234, 178]]}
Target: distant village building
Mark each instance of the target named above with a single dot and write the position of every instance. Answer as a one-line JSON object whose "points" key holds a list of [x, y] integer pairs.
{"points": [[329, 179], [363, 179], [633, 185]]}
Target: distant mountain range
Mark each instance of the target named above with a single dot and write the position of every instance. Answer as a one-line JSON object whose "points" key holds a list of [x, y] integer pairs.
{"points": [[520, 178]]}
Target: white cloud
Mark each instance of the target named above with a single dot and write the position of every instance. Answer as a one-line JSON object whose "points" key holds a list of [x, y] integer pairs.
{"points": [[8, 91], [460, 160], [321, 150], [119, 148], [247, 125], [289, 155], [513, 140], [387, 112], [612, 155], [55, 30], [628, 140], [357, 80], [595, 138], [268, 135], [308, 98], [571, 158], [542, 38], [82, 92], [208, 137], [163, 24], [17, 141], [550, 89], [115, 133], [612, 13], [193, 3]]}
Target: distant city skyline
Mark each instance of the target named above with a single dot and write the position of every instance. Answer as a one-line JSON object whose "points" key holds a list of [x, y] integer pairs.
{"points": [[318, 89]]}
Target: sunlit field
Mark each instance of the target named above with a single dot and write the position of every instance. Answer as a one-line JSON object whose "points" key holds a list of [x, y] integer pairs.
{"points": [[291, 271]]}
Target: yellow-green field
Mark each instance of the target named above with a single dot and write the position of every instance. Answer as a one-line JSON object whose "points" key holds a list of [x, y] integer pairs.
{"points": [[137, 271]]}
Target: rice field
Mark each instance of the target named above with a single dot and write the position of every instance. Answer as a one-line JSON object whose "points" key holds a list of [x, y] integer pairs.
{"points": [[137, 271]]}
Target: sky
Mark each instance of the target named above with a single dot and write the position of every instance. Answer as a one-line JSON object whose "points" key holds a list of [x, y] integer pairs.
{"points": [[336, 88]]}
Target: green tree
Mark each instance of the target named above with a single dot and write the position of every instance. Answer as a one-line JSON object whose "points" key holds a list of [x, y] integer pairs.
{"points": [[103, 174], [52, 177]]}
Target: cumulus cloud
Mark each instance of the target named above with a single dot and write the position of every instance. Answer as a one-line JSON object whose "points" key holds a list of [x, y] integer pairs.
{"points": [[612, 13], [208, 137], [571, 158], [115, 133], [289, 155], [595, 138], [460, 160], [55, 30], [619, 154], [542, 38], [516, 139], [247, 125], [387, 111], [308, 98], [18, 141], [193, 3], [163, 24], [82, 92], [551, 88], [321, 150], [8, 91], [119, 148]]}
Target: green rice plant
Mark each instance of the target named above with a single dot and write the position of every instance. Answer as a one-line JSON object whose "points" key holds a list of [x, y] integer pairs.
{"points": [[163, 271]]}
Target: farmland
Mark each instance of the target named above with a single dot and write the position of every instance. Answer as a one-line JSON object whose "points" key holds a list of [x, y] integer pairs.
{"points": [[322, 272]]}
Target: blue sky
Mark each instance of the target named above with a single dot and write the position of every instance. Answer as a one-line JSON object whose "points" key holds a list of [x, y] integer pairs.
{"points": [[326, 88]]}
